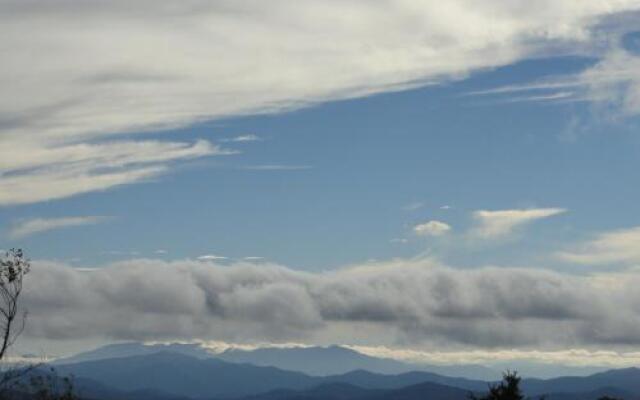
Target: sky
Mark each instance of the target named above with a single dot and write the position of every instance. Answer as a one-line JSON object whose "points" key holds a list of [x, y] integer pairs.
{"points": [[456, 181]]}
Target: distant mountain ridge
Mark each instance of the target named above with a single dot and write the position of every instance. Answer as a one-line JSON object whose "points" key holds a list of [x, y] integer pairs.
{"points": [[183, 375], [343, 391], [627, 379], [331, 360], [172, 375], [119, 350]]}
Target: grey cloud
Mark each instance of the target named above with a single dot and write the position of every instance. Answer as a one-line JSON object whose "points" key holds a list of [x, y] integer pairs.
{"points": [[417, 302]]}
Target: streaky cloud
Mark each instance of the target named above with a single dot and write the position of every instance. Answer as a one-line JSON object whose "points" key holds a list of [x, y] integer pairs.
{"points": [[192, 62], [34, 226]]}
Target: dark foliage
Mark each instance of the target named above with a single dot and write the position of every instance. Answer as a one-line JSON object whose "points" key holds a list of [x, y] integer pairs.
{"points": [[507, 389]]}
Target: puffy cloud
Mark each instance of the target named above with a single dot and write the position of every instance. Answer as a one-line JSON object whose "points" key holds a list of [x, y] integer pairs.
{"points": [[502, 223], [38, 225], [615, 247], [415, 302], [432, 228], [75, 74]]}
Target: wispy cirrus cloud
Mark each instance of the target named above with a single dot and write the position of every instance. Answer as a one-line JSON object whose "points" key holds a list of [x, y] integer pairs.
{"points": [[182, 64], [30, 173], [34, 226], [242, 139], [621, 246], [612, 83], [497, 224]]}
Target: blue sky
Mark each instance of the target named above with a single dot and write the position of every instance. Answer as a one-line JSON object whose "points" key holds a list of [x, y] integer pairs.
{"points": [[309, 171], [349, 179]]}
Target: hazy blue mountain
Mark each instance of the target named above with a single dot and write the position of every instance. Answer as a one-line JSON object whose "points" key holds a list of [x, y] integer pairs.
{"points": [[592, 395], [118, 350], [335, 360], [327, 391], [372, 380], [427, 390], [422, 391], [168, 376], [331, 360], [83, 388], [627, 380], [181, 375], [90, 389], [531, 369], [341, 391], [178, 374], [470, 371], [174, 374]]}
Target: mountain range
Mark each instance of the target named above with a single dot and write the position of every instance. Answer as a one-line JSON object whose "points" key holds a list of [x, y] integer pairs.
{"points": [[330, 360], [179, 373], [183, 375]]}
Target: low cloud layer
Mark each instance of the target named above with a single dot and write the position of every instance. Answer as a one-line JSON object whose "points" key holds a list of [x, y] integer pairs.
{"points": [[75, 75], [417, 303]]}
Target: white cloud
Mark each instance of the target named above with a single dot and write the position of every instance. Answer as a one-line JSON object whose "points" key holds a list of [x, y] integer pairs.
{"points": [[502, 223], [75, 75], [33, 173], [612, 84], [38, 225], [432, 228], [243, 138], [417, 302], [211, 257], [615, 247]]}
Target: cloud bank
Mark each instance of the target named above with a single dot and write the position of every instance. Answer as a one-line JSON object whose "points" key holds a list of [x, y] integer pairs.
{"points": [[411, 302], [77, 75]]}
